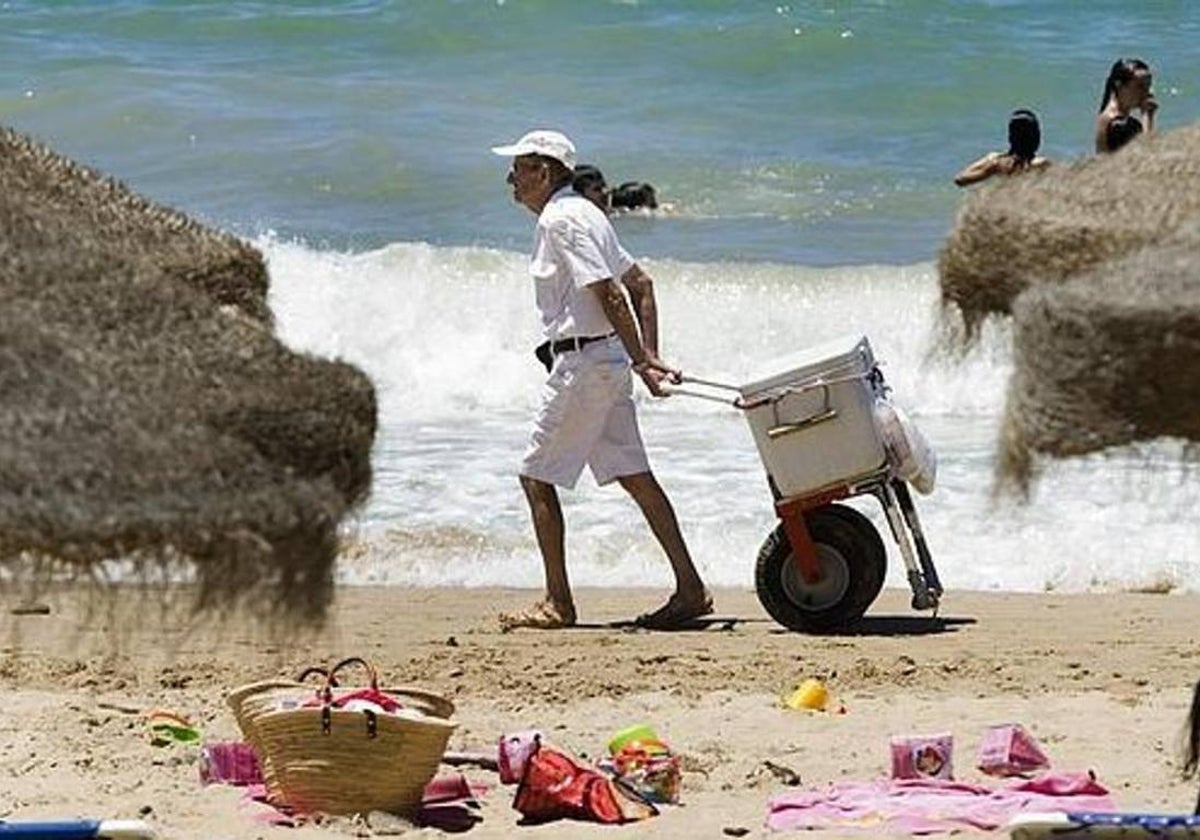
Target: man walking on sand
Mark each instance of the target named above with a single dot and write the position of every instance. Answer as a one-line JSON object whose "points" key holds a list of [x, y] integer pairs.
{"points": [[587, 414]]}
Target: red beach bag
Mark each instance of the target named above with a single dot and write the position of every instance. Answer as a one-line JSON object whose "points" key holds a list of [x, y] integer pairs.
{"points": [[557, 785]]}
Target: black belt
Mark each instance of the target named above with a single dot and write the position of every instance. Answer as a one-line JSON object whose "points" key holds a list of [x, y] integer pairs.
{"points": [[576, 342]]}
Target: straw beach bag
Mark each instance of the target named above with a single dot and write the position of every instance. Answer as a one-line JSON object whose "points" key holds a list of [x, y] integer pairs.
{"points": [[342, 750], [268, 695]]}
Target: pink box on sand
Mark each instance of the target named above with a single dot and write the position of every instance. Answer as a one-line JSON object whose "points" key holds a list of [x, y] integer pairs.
{"points": [[1009, 750], [923, 756]]}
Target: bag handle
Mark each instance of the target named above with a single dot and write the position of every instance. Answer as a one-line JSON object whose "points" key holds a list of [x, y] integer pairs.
{"points": [[331, 677], [326, 693], [315, 669]]}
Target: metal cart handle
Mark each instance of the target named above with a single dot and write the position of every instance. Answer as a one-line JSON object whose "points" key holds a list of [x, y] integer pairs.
{"points": [[744, 404], [826, 412], [694, 380], [738, 402], [808, 422]]}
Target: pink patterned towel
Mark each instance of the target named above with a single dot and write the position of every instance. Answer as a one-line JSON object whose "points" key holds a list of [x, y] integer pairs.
{"points": [[927, 806], [230, 763]]}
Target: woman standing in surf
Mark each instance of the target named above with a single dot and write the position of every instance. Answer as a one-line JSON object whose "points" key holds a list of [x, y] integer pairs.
{"points": [[1127, 89]]}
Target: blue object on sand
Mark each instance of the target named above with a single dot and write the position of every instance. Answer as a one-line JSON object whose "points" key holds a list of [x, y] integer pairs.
{"points": [[76, 830], [1131, 826]]}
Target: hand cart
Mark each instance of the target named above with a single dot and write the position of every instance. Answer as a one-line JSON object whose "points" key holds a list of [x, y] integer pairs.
{"points": [[817, 429]]}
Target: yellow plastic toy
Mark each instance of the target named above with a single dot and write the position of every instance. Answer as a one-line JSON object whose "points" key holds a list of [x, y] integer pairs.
{"points": [[810, 694]]}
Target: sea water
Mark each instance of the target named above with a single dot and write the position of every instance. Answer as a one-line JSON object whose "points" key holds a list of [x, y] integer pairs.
{"points": [[806, 150]]}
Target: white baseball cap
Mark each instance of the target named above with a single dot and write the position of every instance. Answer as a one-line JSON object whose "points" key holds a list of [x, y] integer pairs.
{"points": [[551, 144]]}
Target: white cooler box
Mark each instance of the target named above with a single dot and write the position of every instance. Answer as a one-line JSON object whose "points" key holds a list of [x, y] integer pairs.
{"points": [[815, 426]]}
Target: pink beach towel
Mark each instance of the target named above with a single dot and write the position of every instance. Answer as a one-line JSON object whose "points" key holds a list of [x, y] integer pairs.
{"points": [[927, 806]]}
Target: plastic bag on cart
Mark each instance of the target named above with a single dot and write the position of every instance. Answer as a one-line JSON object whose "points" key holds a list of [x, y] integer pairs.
{"points": [[910, 455]]}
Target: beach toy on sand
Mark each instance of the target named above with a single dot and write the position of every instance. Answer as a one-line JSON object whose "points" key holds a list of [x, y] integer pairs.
{"points": [[513, 753], [77, 830], [166, 727], [655, 775], [1009, 750], [810, 694], [923, 756], [644, 763], [642, 733]]}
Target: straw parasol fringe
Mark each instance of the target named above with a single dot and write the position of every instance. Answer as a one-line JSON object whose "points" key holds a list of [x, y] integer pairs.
{"points": [[1096, 261], [149, 412], [1106, 359], [1054, 225], [77, 205]]}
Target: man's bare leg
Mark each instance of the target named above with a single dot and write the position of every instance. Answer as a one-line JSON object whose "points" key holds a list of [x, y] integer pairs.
{"points": [[690, 600], [558, 608]]}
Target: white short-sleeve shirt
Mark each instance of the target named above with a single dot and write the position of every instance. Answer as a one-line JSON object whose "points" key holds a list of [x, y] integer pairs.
{"points": [[574, 246]]}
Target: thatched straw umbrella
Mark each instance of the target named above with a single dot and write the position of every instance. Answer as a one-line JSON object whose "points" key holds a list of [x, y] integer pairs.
{"points": [[148, 411], [1050, 226], [1108, 358], [1097, 261]]}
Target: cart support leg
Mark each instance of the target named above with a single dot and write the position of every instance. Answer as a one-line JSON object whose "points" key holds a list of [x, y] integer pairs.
{"points": [[914, 525], [923, 598], [804, 550]]}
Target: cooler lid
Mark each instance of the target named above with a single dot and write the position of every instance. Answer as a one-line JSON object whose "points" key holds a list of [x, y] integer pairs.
{"points": [[840, 356]]}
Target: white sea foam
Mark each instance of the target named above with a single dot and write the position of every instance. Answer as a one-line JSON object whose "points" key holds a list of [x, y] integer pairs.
{"points": [[447, 334]]}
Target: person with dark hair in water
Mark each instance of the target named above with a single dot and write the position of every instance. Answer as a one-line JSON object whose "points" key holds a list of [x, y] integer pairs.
{"points": [[634, 194], [1191, 758], [589, 182], [1127, 89], [1024, 138], [1121, 130]]}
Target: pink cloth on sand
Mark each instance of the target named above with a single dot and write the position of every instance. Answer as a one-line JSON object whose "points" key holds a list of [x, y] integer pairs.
{"points": [[444, 798], [927, 806], [230, 763]]}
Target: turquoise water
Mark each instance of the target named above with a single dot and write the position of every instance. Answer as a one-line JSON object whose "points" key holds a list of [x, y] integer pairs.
{"points": [[807, 150], [819, 133]]}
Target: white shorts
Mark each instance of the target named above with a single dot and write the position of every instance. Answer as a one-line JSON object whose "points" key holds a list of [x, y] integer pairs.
{"points": [[587, 416]]}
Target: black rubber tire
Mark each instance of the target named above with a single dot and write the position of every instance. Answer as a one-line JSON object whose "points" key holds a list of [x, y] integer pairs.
{"points": [[853, 565]]}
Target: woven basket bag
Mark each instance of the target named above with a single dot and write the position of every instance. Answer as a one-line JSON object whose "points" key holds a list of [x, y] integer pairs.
{"points": [[255, 698], [320, 758]]}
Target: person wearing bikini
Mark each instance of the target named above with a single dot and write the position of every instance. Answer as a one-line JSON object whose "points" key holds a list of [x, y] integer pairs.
{"points": [[1024, 137], [1126, 90]]}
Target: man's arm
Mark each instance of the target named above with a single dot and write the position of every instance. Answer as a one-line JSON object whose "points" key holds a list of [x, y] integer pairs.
{"points": [[641, 295], [645, 363]]}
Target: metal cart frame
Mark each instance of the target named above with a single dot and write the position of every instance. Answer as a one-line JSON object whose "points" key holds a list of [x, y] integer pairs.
{"points": [[807, 568]]}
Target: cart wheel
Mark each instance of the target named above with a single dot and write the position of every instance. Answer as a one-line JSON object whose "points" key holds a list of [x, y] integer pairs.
{"points": [[853, 564]]}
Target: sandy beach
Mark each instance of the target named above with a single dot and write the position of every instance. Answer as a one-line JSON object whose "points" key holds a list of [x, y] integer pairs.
{"points": [[1102, 681]]}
